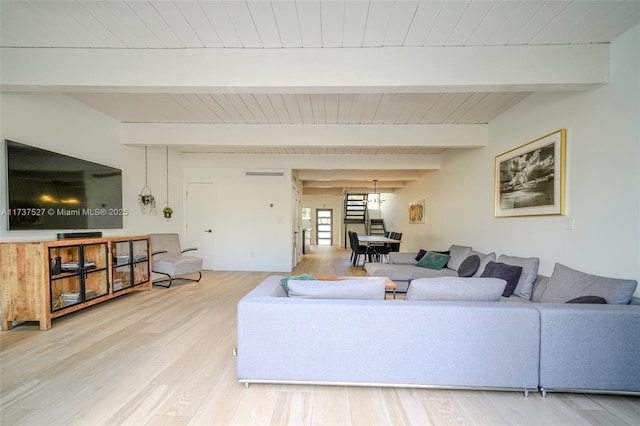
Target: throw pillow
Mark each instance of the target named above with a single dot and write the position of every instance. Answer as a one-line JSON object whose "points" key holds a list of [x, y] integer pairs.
{"points": [[369, 289], [433, 260], [469, 266], [284, 281], [529, 265], [458, 255], [589, 299], [566, 284], [455, 289], [484, 259], [509, 273], [422, 252]]}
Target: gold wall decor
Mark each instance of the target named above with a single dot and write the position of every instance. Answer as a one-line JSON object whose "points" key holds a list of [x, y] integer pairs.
{"points": [[416, 212]]}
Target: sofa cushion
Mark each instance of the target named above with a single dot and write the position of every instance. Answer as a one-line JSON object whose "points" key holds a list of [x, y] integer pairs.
{"points": [[369, 289], [484, 259], [432, 273], [284, 281], [509, 273], [456, 289], [402, 258], [469, 266], [458, 255], [433, 260], [528, 276], [566, 284]]}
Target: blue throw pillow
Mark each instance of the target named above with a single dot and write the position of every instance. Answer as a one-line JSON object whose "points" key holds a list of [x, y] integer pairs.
{"points": [[509, 273], [433, 260], [285, 280]]}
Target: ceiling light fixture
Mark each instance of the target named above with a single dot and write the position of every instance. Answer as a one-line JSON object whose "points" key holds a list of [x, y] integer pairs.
{"points": [[373, 200]]}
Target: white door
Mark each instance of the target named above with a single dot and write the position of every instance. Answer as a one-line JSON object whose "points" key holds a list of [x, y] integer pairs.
{"points": [[324, 227], [200, 220]]}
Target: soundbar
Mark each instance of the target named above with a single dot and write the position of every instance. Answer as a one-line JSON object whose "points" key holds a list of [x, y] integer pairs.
{"points": [[69, 235]]}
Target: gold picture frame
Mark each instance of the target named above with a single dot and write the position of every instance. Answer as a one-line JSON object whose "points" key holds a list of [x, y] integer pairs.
{"points": [[530, 179], [416, 212]]}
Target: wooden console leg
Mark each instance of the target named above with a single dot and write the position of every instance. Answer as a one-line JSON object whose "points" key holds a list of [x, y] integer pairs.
{"points": [[45, 324]]}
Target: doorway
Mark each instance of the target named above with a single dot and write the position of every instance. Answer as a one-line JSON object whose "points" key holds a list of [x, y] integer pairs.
{"points": [[324, 227], [200, 220]]}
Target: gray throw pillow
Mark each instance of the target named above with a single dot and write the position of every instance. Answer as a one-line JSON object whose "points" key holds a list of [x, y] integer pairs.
{"points": [[363, 288], [458, 255], [566, 284], [529, 273], [456, 289], [509, 273], [469, 266], [484, 259]]}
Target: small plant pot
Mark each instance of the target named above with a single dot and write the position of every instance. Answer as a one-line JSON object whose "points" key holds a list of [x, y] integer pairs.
{"points": [[167, 215]]}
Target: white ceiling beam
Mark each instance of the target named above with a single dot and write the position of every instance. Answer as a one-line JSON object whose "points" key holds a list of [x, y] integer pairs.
{"points": [[299, 162], [365, 184], [320, 135], [310, 70], [366, 177]]}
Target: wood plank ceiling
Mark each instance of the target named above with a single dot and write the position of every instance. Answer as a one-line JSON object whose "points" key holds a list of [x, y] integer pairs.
{"points": [[289, 24]]}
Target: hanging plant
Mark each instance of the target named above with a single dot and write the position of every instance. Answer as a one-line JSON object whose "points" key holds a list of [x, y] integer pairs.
{"points": [[146, 200], [167, 211]]}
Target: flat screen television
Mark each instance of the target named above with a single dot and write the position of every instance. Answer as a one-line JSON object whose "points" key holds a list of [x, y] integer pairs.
{"points": [[48, 190]]}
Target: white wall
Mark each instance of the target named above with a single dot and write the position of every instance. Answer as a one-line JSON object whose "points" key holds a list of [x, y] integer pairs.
{"points": [[61, 124], [603, 180], [252, 229]]}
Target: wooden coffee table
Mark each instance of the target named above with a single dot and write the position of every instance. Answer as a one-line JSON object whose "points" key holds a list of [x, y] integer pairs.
{"points": [[388, 284]]}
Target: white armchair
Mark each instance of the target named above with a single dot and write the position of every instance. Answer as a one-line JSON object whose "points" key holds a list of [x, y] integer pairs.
{"points": [[169, 259]]}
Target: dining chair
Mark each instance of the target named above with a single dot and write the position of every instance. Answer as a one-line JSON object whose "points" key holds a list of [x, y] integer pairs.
{"points": [[357, 250]]}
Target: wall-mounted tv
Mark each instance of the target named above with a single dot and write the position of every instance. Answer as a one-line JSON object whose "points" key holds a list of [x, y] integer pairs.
{"points": [[48, 190]]}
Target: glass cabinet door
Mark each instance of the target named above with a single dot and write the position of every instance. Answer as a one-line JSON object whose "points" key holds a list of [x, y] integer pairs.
{"points": [[96, 273], [121, 255], [65, 275], [140, 261]]}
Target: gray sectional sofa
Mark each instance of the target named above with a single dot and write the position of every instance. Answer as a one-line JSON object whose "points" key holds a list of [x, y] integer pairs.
{"points": [[444, 344], [284, 339]]}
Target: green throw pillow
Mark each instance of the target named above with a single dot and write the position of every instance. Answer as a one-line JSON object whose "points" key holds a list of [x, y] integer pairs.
{"points": [[433, 260], [285, 280]]}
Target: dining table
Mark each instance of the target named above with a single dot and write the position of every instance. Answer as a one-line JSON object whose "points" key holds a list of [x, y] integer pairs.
{"points": [[368, 240], [377, 239]]}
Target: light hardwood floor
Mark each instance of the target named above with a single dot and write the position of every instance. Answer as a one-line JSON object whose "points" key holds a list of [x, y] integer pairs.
{"points": [[164, 357]]}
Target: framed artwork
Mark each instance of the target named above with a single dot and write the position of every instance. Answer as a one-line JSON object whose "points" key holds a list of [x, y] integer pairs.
{"points": [[530, 179], [416, 212]]}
